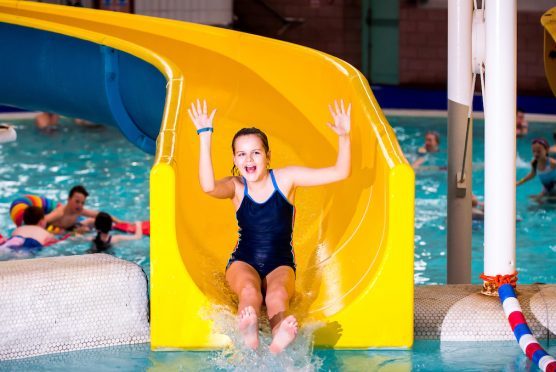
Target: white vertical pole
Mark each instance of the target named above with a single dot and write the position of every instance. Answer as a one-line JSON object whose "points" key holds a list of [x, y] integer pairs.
{"points": [[459, 93], [500, 112], [460, 13]]}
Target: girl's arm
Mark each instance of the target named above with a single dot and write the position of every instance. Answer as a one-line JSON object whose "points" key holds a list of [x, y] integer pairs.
{"points": [[138, 234], [302, 176], [223, 188], [527, 178], [530, 176]]}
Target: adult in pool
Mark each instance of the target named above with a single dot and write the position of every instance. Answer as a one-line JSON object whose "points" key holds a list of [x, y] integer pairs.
{"points": [[263, 259], [521, 125], [67, 217], [431, 145], [47, 121]]}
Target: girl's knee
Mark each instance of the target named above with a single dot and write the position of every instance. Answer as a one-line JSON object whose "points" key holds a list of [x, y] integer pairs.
{"points": [[277, 294], [249, 290]]}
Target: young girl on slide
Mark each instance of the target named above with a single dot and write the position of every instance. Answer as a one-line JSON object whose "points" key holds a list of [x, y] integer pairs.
{"points": [[263, 258]]}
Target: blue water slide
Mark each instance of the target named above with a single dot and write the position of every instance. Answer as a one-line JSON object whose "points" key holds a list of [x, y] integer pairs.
{"points": [[45, 71]]}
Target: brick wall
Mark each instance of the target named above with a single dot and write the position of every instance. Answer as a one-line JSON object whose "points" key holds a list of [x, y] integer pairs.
{"points": [[334, 26], [423, 46], [331, 26], [424, 49], [211, 12], [530, 63]]}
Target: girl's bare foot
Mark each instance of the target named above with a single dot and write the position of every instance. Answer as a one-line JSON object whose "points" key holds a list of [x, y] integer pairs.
{"points": [[249, 327], [284, 335]]}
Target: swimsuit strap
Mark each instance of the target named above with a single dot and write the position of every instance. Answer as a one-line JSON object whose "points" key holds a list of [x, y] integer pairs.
{"points": [[245, 191], [276, 186], [273, 180]]}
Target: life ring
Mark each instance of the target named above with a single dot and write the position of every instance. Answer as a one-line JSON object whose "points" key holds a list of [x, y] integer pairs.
{"points": [[19, 205]]}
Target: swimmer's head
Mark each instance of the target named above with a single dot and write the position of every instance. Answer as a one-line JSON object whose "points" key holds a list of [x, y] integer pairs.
{"points": [[76, 198], [103, 222], [432, 141], [251, 153], [540, 147], [519, 117], [33, 216]]}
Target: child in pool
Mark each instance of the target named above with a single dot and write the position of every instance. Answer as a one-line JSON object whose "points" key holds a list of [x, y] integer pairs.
{"points": [[32, 234], [543, 167], [104, 240], [263, 199]]}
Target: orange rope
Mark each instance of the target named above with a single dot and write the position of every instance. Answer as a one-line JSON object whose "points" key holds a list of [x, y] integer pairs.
{"points": [[498, 280]]}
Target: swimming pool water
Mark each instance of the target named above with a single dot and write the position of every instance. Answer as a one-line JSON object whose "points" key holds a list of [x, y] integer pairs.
{"points": [[535, 233], [117, 176], [114, 172], [425, 356]]}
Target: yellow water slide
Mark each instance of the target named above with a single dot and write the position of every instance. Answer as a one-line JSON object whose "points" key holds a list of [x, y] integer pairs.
{"points": [[353, 239], [548, 21]]}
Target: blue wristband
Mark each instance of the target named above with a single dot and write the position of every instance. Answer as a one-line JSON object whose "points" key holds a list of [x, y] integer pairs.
{"points": [[207, 129]]}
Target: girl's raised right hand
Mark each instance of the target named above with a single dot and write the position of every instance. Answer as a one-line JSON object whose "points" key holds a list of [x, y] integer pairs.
{"points": [[199, 116]]}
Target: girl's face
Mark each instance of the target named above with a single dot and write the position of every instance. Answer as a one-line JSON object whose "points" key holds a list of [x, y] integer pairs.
{"points": [[539, 151], [250, 157]]}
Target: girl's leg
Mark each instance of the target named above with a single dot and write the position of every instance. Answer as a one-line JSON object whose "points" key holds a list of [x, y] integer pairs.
{"points": [[246, 284], [280, 286]]}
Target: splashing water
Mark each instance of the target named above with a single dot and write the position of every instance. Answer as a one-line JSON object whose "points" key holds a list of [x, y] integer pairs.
{"points": [[237, 357]]}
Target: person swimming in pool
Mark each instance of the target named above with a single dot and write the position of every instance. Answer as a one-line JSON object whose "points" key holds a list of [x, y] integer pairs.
{"points": [[7, 133], [264, 202], [103, 241], [67, 216], [432, 145], [32, 234], [521, 125], [47, 121], [543, 167]]}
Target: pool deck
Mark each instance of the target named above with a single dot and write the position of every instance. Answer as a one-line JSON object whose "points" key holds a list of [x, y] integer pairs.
{"points": [[461, 313]]}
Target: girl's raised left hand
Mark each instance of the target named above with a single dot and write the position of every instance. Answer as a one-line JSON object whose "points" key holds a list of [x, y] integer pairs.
{"points": [[342, 119]]}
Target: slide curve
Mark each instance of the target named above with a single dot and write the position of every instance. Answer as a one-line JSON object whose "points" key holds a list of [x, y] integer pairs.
{"points": [[353, 239]]}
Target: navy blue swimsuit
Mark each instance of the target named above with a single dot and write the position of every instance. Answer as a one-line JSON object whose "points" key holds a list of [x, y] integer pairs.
{"points": [[265, 232]]}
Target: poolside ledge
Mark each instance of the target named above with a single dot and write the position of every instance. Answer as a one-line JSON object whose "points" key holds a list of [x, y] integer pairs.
{"points": [[462, 313], [59, 304]]}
